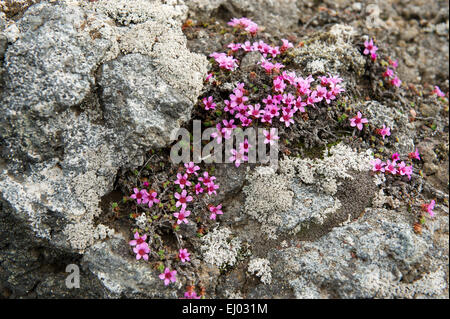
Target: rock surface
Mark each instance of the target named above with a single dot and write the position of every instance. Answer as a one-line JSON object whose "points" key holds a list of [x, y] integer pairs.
{"points": [[75, 110]]}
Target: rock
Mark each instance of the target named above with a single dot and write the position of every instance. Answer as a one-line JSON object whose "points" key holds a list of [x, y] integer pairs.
{"points": [[250, 61], [429, 110], [75, 110], [145, 107], [3, 45], [378, 256], [122, 275], [12, 33]]}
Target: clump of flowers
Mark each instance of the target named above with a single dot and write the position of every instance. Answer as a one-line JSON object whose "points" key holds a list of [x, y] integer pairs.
{"points": [[438, 91], [439, 94], [225, 61], [389, 74], [246, 24], [394, 166]]}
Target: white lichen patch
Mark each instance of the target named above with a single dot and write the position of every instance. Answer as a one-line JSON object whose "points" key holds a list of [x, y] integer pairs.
{"points": [[261, 267], [151, 28], [302, 190], [220, 248]]}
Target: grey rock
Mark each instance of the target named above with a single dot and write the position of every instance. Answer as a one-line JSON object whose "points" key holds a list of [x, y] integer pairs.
{"points": [[372, 258], [250, 61], [122, 275], [73, 113]]}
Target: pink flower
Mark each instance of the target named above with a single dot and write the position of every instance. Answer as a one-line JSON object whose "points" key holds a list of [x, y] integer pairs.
{"points": [[438, 91], [385, 131], [378, 165], [229, 125], [273, 110], [138, 239], [329, 97], [414, 154], [206, 179], [245, 121], [242, 112], [244, 146], [237, 157], [247, 46], [401, 169], [395, 157], [288, 99], [181, 216], [405, 170], [299, 104], [215, 210], [151, 199], [225, 61], [312, 98], [388, 73], [429, 208], [303, 85], [266, 118], [182, 180], [145, 184], [271, 136], [277, 67], [184, 255], [255, 110], [198, 188], [373, 56], [266, 65], [209, 77], [274, 51], [286, 117], [183, 199], [390, 167], [269, 100], [239, 88], [211, 188], [190, 294], [358, 121], [408, 171], [393, 63], [238, 98], [286, 45], [278, 84], [228, 107], [191, 168], [139, 195], [396, 81], [141, 251], [369, 47], [321, 93], [289, 77], [168, 276], [209, 104], [234, 46], [246, 24], [218, 134]]}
